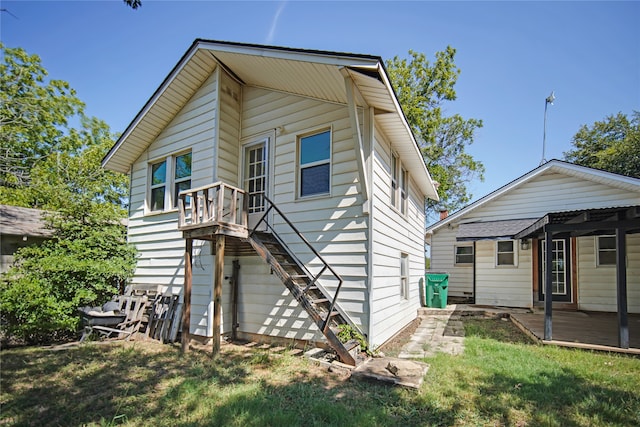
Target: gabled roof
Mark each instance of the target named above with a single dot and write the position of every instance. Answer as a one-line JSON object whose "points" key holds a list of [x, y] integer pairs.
{"points": [[554, 166], [311, 73]]}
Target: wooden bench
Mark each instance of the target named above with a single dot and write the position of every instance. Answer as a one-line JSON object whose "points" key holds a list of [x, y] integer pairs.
{"points": [[122, 324]]}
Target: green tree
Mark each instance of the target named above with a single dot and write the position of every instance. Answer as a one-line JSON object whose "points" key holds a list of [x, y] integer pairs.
{"points": [[612, 145], [88, 260], [34, 115], [423, 88]]}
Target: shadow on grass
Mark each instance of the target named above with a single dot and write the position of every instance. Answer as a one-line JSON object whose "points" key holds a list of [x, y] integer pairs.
{"points": [[556, 398], [137, 385]]}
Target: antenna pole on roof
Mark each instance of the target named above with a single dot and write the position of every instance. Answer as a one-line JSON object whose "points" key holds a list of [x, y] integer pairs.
{"points": [[547, 101]]}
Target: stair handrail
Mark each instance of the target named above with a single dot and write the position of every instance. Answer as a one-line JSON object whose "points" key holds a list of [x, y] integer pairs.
{"points": [[308, 244]]}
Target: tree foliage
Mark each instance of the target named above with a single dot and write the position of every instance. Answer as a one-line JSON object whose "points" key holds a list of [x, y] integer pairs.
{"points": [[612, 145], [133, 4], [34, 115], [423, 88], [56, 168]]}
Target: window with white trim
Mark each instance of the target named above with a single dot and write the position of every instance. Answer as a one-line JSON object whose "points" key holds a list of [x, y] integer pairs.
{"points": [[605, 250], [168, 177], [314, 163], [404, 190], [399, 184], [506, 254], [463, 254], [404, 275]]}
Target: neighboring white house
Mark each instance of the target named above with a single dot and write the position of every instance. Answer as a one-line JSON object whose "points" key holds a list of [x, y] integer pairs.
{"points": [[322, 135], [493, 248]]}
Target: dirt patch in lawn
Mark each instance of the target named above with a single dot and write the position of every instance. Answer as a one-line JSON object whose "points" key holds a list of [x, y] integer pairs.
{"points": [[393, 347]]}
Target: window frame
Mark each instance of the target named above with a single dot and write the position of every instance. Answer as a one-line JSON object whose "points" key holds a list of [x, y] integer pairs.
{"points": [[404, 275], [514, 251], [170, 200], [177, 180], [152, 186], [300, 167], [609, 250], [456, 255], [399, 185]]}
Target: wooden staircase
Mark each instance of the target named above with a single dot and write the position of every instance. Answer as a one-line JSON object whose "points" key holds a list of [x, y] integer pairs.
{"points": [[303, 287]]}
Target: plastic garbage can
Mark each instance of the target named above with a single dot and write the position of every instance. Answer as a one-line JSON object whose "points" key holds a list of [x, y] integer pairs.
{"points": [[436, 289]]}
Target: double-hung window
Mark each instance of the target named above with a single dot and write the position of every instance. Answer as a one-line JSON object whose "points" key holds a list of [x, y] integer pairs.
{"points": [[169, 177], [506, 253], [182, 175], [399, 184], [314, 162], [404, 276], [464, 255], [606, 250]]}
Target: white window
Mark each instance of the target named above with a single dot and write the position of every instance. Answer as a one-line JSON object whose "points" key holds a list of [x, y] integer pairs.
{"points": [[464, 255], [169, 177], [399, 184], [394, 179], [506, 253], [606, 250], [404, 276], [314, 163], [404, 190]]}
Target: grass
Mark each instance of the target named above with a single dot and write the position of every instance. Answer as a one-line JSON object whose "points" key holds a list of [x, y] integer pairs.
{"points": [[501, 379]]}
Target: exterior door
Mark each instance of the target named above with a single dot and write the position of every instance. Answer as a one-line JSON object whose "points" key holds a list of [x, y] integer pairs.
{"points": [[560, 270], [255, 177]]}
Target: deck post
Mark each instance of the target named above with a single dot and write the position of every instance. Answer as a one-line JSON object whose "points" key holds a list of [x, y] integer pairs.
{"points": [[217, 292], [621, 288], [186, 312], [548, 288]]}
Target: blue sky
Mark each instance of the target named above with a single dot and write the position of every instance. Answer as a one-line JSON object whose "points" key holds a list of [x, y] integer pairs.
{"points": [[511, 56]]}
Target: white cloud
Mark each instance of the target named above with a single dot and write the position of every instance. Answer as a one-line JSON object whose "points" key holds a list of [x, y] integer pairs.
{"points": [[274, 23]]}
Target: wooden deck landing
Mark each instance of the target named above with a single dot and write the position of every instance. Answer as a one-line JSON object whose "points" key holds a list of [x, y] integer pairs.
{"points": [[589, 330]]}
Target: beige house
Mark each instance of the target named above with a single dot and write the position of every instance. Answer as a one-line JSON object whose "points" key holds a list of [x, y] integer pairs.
{"points": [[495, 249], [246, 153]]}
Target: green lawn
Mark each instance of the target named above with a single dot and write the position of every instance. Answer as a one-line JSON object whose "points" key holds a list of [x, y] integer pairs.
{"points": [[501, 379]]}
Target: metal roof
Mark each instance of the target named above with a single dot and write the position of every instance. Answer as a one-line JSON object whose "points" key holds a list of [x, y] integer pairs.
{"points": [[311, 73], [585, 222]]}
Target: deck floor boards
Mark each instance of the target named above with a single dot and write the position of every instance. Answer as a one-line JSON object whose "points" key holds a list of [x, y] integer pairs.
{"points": [[590, 328]]}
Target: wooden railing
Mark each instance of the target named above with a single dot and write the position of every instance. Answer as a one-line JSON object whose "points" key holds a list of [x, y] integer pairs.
{"points": [[217, 204]]}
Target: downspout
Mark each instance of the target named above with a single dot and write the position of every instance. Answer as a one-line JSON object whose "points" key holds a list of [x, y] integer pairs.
{"points": [[369, 133]]}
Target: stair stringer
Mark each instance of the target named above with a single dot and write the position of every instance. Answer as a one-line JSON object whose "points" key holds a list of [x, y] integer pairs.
{"points": [[299, 294]]}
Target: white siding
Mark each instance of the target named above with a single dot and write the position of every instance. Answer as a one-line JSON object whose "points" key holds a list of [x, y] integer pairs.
{"points": [[443, 260], [160, 244], [229, 131], [597, 284], [552, 192], [503, 285], [549, 192], [333, 224], [393, 234], [266, 306]]}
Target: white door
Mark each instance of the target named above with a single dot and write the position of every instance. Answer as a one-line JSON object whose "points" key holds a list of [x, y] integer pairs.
{"points": [[256, 179]]}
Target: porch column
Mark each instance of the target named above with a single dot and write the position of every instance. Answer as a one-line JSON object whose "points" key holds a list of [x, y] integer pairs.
{"points": [[548, 289], [621, 287], [186, 311], [217, 292]]}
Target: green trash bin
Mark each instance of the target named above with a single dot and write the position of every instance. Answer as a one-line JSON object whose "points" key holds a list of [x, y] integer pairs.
{"points": [[436, 289]]}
